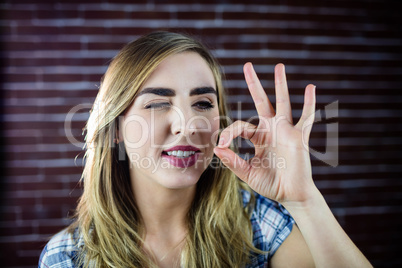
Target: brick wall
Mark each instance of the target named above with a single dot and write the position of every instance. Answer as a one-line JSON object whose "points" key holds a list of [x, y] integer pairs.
{"points": [[55, 52]]}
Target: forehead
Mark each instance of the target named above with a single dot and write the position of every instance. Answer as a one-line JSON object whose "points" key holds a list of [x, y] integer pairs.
{"points": [[184, 70]]}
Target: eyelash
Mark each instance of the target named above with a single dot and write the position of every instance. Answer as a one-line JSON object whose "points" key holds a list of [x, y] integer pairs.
{"points": [[157, 105], [203, 105]]}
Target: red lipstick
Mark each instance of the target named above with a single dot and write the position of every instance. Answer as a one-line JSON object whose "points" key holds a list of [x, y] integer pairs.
{"points": [[181, 160], [183, 148]]}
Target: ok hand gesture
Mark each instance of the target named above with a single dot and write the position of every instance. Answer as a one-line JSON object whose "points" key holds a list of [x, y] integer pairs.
{"points": [[281, 168]]}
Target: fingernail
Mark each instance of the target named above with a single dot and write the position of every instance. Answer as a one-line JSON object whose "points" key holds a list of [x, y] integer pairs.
{"points": [[246, 73], [221, 141]]}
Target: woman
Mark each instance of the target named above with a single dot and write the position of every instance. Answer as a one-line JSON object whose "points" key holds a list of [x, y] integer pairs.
{"points": [[157, 192]]}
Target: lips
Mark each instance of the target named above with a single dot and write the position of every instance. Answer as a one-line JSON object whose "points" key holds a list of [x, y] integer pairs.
{"points": [[182, 156]]}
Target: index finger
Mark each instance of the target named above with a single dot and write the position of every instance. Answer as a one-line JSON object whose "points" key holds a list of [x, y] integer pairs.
{"points": [[260, 98]]}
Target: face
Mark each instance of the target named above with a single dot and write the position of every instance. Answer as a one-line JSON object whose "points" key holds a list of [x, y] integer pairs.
{"points": [[171, 128]]}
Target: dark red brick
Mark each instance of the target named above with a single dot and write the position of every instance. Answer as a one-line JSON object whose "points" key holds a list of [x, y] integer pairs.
{"points": [[17, 14], [53, 13], [196, 15], [105, 14]]}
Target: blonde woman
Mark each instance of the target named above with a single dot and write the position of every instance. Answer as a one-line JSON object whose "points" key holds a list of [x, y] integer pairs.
{"points": [[161, 189]]}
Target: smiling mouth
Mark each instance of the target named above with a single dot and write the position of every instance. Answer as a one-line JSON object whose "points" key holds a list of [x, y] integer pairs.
{"points": [[179, 153], [182, 156]]}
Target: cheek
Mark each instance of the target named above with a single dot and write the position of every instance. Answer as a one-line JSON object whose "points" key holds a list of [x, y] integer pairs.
{"points": [[211, 130], [136, 131], [215, 131]]}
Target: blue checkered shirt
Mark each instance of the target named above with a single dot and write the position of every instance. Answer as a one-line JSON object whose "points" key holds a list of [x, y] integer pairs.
{"points": [[270, 221]]}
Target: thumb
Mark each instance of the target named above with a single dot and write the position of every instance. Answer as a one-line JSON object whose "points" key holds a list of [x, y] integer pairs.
{"points": [[235, 163]]}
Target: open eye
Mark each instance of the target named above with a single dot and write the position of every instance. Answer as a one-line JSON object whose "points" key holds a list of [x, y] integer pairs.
{"points": [[157, 105], [204, 105]]}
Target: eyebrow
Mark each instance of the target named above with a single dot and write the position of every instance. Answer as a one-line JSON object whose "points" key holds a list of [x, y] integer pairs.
{"points": [[203, 90], [157, 91], [170, 92]]}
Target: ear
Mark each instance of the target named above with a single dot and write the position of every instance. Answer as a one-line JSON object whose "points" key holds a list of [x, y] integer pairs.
{"points": [[119, 136], [119, 131]]}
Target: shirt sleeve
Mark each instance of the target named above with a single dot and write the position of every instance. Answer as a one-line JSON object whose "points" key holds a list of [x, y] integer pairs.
{"points": [[59, 252], [271, 224]]}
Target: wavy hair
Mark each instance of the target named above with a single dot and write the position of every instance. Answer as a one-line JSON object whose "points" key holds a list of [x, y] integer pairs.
{"points": [[107, 218]]}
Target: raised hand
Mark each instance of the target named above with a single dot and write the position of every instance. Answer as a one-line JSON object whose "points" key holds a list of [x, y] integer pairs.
{"points": [[281, 168]]}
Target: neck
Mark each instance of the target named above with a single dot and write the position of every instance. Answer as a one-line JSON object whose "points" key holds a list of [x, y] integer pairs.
{"points": [[163, 211]]}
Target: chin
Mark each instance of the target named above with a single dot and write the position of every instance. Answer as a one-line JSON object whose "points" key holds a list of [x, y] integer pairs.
{"points": [[179, 179]]}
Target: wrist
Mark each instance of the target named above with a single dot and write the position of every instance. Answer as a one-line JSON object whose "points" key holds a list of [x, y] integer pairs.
{"points": [[313, 201]]}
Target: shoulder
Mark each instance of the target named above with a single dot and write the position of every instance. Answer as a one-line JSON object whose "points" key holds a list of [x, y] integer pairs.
{"points": [[270, 221], [267, 211], [61, 250]]}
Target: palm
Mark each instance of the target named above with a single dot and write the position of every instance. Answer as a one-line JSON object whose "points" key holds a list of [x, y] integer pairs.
{"points": [[280, 168], [278, 177]]}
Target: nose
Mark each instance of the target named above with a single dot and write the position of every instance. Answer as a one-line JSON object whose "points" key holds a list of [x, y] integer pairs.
{"points": [[185, 122]]}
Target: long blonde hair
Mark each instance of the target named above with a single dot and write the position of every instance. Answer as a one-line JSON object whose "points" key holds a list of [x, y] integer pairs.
{"points": [[219, 228]]}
